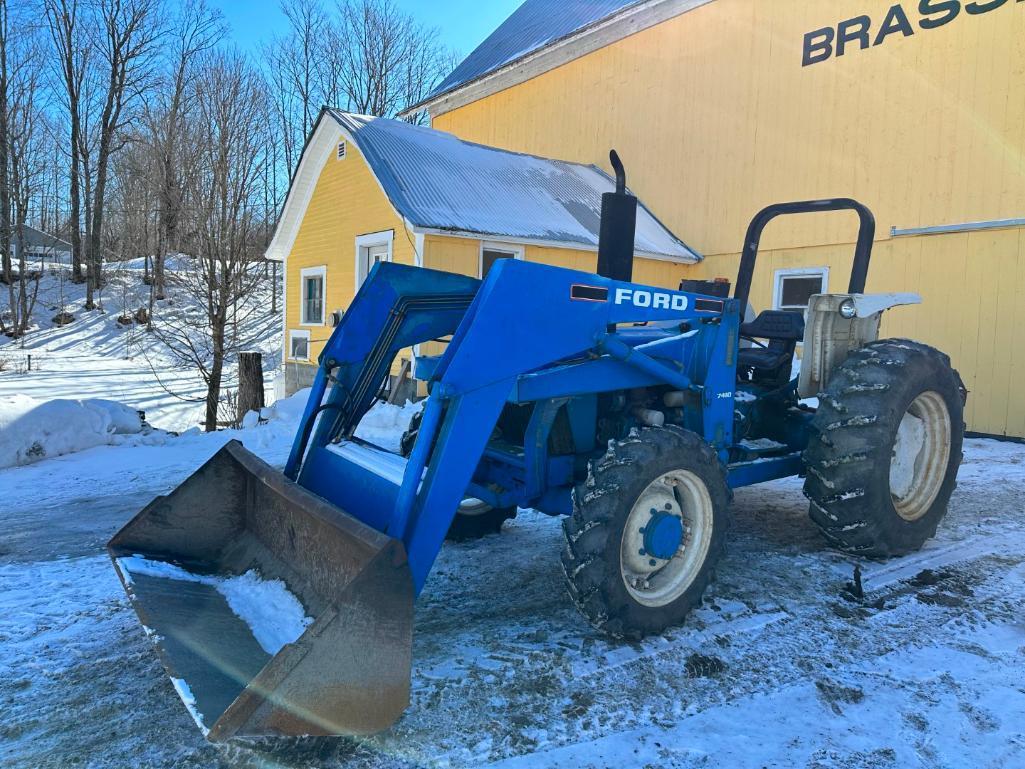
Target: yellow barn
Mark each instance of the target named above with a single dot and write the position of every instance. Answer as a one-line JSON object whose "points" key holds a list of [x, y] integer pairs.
{"points": [[720, 107]]}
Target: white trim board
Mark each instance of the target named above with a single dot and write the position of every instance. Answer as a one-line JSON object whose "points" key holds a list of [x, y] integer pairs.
{"points": [[382, 238], [302, 333], [518, 251], [313, 272], [796, 272]]}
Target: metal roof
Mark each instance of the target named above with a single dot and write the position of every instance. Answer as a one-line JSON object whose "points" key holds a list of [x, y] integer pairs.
{"points": [[39, 240], [437, 181], [535, 24]]}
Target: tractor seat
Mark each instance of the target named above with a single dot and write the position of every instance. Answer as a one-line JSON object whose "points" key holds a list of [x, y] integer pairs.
{"points": [[781, 325], [762, 358], [770, 365]]}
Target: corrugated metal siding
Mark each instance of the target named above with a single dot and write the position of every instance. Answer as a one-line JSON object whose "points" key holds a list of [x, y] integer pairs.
{"points": [[533, 25], [437, 181]]}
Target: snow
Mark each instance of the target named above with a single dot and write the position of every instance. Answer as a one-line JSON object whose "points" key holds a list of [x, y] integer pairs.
{"points": [[779, 666], [384, 424], [32, 430], [762, 444], [189, 700], [274, 615]]}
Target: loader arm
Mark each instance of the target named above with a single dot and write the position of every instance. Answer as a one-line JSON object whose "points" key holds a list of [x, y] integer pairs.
{"points": [[523, 318]]}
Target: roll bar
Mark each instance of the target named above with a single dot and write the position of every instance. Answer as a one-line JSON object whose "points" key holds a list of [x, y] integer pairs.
{"points": [[862, 251]]}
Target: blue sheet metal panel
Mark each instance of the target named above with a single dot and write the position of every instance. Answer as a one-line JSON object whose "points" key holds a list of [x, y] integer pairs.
{"points": [[520, 302], [438, 181], [354, 489], [533, 25]]}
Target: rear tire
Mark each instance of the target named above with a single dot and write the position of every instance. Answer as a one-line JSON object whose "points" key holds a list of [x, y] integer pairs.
{"points": [[617, 585], [885, 448], [474, 519]]}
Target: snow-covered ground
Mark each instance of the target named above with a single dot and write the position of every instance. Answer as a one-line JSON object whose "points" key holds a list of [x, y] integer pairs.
{"points": [[780, 667], [96, 357]]}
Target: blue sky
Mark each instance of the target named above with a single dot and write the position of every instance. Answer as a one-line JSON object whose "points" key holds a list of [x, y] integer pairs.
{"points": [[463, 24]]}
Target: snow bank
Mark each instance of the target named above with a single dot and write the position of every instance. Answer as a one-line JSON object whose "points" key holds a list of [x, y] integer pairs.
{"points": [[32, 429], [274, 615], [288, 409], [384, 424]]}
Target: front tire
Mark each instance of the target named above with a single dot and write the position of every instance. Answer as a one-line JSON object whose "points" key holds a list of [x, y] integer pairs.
{"points": [[617, 575], [885, 448]]}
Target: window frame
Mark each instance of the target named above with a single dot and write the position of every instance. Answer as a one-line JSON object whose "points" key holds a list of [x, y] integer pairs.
{"points": [[304, 274], [796, 272], [364, 243], [299, 334], [518, 251]]}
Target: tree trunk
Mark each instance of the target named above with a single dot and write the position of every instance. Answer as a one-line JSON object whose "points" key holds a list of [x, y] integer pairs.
{"points": [[250, 383], [76, 203], [213, 385]]}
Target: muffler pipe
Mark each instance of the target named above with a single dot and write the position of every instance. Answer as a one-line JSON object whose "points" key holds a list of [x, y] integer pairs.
{"points": [[618, 228]]}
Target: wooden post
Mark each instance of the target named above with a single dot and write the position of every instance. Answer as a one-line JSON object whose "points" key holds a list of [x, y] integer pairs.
{"points": [[250, 383], [400, 383]]}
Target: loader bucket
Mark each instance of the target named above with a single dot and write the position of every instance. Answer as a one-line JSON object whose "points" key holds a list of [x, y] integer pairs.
{"points": [[209, 569]]}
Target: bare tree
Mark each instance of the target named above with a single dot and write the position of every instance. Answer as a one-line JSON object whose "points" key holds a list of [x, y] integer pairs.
{"points": [[21, 162], [366, 56], [391, 61], [300, 65], [214, 325], [69, 41], [194, 31], [128, 33]]}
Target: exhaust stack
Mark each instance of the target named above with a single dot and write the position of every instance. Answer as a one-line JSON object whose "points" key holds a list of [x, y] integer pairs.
{"points": [[618, 227]]}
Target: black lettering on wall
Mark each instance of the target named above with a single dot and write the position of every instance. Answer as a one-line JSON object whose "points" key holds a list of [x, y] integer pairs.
{"points": [[852, 30], [896, 21], [818, 46], [949, 8], [979, 8]]}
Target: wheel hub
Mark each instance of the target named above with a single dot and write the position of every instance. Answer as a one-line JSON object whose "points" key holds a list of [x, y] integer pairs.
{"points": [[663, 534], [920, 454], [666, 538]]}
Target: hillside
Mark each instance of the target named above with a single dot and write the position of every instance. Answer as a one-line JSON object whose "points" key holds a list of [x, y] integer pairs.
{"points": [[95, 356]]}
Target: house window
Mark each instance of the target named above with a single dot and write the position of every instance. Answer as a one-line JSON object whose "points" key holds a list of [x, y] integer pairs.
{"points": [[492, 252], [312, 287], [795, 288], [371, 249], [299, 345]]}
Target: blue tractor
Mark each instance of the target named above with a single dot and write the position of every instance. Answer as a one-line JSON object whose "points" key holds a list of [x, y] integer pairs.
{"points": [[630, 410]]}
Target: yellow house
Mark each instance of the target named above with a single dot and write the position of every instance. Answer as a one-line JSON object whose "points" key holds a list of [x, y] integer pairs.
{"points": [[720, 107], [371, 189]]}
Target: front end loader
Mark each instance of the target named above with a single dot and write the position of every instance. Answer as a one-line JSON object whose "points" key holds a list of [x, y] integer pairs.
{"points": [[630, 410]]}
